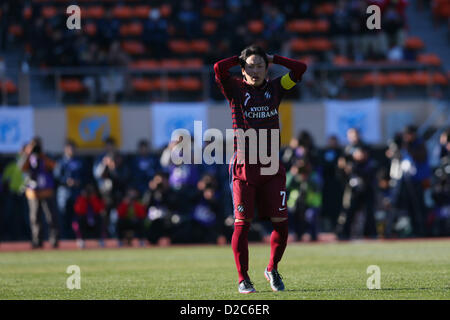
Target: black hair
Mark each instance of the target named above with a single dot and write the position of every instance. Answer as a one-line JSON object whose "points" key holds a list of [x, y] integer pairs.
{"points": [[252, 50], [143, 143], [411, 129], [110, 140], [70, 142]]}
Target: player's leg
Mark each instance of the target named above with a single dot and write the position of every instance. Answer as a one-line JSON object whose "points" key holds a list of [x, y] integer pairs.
{"points": [[272, 204], [243, 208], [278, 242]]}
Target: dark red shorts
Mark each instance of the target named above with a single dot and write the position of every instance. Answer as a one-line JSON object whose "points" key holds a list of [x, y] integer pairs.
{"points": [[251, 190]]}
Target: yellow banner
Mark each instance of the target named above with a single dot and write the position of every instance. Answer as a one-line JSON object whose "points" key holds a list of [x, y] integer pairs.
{"points": [[286, 125], [89, 125]]}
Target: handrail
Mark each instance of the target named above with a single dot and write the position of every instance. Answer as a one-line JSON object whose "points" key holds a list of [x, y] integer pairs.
{"points": [[205, 72]]}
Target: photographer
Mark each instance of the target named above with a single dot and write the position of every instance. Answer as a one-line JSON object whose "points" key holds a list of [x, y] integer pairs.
{"points": [[131, 218], [414, 180], [359, 194], [112, 176], [40, 192], [161, 203], [304, 201], [441, 188]]}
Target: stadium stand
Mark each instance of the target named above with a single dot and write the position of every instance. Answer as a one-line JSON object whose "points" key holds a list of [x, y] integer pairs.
{"points": [[163, 34], [163, 50]]}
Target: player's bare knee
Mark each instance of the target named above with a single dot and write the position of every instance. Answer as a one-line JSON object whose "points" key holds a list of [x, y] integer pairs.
{"points": [[245, 220]]}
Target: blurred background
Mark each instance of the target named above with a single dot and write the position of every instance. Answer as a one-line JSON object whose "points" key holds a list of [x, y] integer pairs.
{"points": [[365, 135]]}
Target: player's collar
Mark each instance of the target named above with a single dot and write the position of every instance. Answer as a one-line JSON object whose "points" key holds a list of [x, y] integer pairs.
{"points": [[261, 87]]}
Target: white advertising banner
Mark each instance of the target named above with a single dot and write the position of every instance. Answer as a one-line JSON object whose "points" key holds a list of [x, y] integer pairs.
{"points": [[16, 128], [167, 117], [363, 115]]}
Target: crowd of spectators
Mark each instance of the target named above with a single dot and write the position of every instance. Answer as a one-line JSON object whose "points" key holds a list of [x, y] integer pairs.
{"points": [[354, 190], [50, 43]]}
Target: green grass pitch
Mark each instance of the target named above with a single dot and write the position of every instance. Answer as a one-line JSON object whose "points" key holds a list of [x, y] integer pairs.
{"points": [[409, 270]]}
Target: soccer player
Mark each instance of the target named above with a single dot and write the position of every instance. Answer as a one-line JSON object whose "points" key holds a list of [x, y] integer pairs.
{"points": [[251, 189]]}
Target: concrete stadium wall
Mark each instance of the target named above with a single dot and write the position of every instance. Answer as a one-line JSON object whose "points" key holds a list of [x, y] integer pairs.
{"points": [[51, 123]]}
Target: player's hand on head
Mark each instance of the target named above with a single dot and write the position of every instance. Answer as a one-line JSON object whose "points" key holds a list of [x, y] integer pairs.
{"points": [[269, 57]]}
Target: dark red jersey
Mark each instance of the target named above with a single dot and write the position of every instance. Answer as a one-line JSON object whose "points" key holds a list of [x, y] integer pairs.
{"points": [[256, 107]]}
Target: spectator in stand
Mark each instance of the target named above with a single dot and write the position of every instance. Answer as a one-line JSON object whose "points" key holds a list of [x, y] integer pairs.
{"points": [[113, 85], [70, 173], [39, 191], [15, 221], [143, 166], [182, 177], [161, 203], [90, 211], [304, 199], [340, 28], [359, 195], [415, 179], [274, 22], [155, 34], [302, 147], [188, 20], [393, 26], [112, 176], [207, 217], [107, 29], [131, 219], [332, 187], [441, 190]]}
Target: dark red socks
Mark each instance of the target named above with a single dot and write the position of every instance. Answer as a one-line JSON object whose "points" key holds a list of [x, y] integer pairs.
{"points": [[278, 241], [239, 244]]}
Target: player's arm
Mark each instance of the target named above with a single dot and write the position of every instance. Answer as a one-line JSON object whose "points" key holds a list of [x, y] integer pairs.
{"points": [[223, 76], [297, 69]]}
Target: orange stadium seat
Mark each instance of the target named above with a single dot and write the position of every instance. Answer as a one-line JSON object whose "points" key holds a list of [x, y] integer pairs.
{"points": [[179, 46], [429, 59], [95, 12], [9, 86], [142, 11], [374, 79], [90, 29], [321, 26], [131, 29], [440, 79], [341, 61], [300, 26], [15, 30], [165, 10], [414, 43], [212, 13], [193, 63], [209, 27], [143, 85], [133, 47], [144, 64], [399, 79], [27, 12], [190, 84], [169, 83], [255, 26], [325, 9], [420, 78], [200, 46], [171, 63], [299, 45], [71, 85], [320, 44], [49, 12], [122, 12]]}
